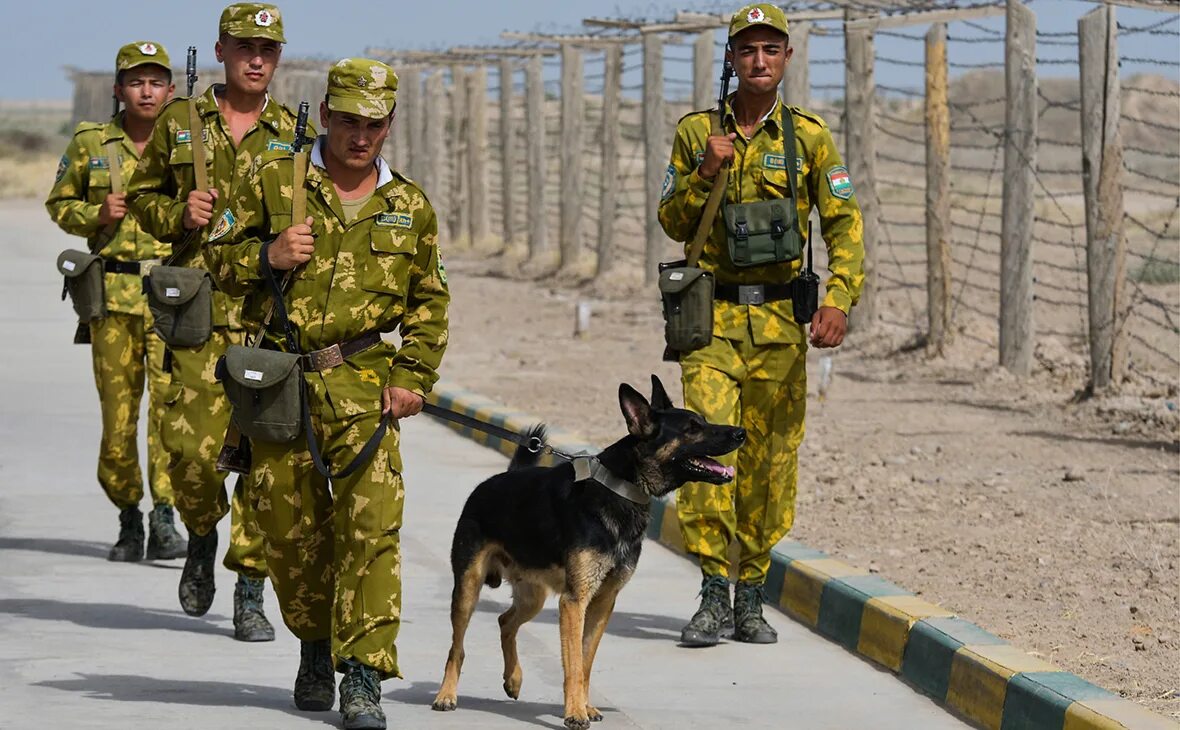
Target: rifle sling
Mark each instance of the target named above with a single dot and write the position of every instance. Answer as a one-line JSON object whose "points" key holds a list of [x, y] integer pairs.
{"points": [[712, 203]]}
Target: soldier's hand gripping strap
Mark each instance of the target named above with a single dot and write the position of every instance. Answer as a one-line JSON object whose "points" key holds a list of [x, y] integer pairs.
{"points": [[370, 448]]}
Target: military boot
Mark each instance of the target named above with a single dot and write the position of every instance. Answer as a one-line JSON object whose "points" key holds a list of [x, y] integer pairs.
{"points": [[748, 624], [250, 623], [196, 580], [129, 547], [164, 542], [713, 619], [360, 697], [315, 684]]}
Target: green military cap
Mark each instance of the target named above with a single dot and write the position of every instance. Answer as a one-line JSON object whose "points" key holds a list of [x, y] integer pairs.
{"points": [[766, 14], [141, 53], [252, 20], [362, 86]]}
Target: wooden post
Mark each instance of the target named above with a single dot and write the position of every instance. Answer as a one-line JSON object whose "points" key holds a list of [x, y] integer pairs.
{"points": [[432, 137], [797, 81], [703, 74], [1102, 164], [860, 121], [1020, 164], [477, 155], [460, 210], [535, 128], [507, 152], [612, 82], [572, 107], [656, 150], [938, 192], [408, 116]]}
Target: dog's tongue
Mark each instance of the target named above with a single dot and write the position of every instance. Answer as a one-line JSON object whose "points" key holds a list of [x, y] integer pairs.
{"points": [[715, 467]]}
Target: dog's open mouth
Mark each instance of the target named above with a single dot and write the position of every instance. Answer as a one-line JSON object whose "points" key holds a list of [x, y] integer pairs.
{"points": [[709, 468]]}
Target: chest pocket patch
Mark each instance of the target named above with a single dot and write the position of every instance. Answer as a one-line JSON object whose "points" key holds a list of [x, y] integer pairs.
{"points": [[391, 253]]}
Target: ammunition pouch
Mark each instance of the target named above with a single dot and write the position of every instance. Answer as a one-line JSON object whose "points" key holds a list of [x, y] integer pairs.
{"points": [[687, 295], [761, 233], [85, 283], [181, 302], [265, 388]]}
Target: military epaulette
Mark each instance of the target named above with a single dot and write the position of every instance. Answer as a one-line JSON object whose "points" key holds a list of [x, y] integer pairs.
{"points": [[809, 116], [710, 110], [88, 127], [405, 179]]}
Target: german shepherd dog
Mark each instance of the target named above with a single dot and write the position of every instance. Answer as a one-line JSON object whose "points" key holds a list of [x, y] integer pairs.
{"points": [[547, 530]]}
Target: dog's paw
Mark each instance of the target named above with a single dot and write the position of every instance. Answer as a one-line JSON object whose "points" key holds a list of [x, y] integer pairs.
{"points": [[593, 713], [577, 723], [512, 684], [444, 703]]}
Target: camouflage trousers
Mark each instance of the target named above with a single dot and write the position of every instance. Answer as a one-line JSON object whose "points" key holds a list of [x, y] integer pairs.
{"points": [[763, 389], [334, 552], [125, 353], [196, 415]]}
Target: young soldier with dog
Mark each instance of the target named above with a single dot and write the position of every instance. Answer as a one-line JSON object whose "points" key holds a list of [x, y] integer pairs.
{"points": [[363, 260], [202, 148], [751, 371], [87, 200]]}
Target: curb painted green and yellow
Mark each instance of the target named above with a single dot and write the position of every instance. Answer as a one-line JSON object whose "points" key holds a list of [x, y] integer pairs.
{"points": [[975, 674]]}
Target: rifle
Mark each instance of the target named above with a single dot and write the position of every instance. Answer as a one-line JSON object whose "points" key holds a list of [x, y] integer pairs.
{"points": [[235, 450], [196, 128]]}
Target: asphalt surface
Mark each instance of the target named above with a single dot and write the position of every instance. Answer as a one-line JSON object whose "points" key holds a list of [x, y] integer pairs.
{"points": [[85, 643]]}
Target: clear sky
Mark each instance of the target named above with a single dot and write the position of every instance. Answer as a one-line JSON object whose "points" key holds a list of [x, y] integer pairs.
{"points": [[39, 39]]}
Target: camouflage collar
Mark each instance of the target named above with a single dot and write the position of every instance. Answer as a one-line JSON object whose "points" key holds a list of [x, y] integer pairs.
{"points": [[270, 115], [774, 116], [113, 129], [385, 175]]}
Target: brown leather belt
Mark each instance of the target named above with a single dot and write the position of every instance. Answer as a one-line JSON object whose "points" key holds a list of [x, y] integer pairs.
{"points": [[334, 356], [751, 293]]}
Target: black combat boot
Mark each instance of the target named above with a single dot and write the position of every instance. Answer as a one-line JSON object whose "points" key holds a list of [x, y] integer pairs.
{"points": [[315, 684], [748, 624], [196, 580], [250, 622], [129, 547], [360, 697], [713, 619], [164, 542]]}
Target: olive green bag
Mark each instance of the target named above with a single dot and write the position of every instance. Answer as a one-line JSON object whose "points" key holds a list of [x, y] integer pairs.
{"points": [[181, 302], [85, 282], [265, 389], [767, 231]]}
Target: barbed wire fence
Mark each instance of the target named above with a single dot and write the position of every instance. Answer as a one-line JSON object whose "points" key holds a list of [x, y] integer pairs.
{"points": [[553, 147]]}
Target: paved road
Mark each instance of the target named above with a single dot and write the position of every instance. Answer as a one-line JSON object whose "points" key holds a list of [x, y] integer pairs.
{"points": [[89, 644]]}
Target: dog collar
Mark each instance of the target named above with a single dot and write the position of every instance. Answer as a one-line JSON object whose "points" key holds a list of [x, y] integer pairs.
{"points": [[589, 467]]}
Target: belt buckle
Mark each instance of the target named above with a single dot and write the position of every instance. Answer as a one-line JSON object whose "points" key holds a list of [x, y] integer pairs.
{"points": [[146, 266], [329, 357], [751, 294]]}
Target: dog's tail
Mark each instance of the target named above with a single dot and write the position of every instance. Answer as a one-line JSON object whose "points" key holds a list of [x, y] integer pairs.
{"points": [[525, 456]]}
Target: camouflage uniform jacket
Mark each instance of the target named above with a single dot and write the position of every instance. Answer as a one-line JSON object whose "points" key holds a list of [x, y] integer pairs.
{"points": [[158, 192], [83, 183], [380, 272], [759, 172]]}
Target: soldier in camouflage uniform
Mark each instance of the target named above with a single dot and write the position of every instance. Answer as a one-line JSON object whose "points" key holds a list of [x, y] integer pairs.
{"points": [[124, 349], [241, 122], [752, 374], [369, 263]]}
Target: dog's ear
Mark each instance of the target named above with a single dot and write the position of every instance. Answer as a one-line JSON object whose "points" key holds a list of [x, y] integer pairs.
{"points": [[640, 419], [659, 397]]}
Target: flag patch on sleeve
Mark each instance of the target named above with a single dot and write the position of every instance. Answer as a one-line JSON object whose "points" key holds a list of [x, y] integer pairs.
{"points": [[840, 182]]}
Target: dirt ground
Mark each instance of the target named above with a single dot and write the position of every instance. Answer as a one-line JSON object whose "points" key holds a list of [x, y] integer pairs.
{"points": [[1050, 522]]}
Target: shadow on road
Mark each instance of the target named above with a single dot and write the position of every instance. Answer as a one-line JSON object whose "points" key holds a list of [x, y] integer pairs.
{"points": [[83, 548], [131, 688], [622, 623], [110, 616], [542, 714], [1172, 447]]}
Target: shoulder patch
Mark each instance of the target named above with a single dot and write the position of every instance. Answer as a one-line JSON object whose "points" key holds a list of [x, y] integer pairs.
{"points": [[442, 270], [62, 165], [669, 185], [225, 224], [840, 182], [396, 220]]}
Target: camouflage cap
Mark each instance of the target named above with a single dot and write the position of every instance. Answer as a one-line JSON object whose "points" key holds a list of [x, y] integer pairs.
{"points": [[766, 14], [141, 53], [362, 86], [252, 20]]}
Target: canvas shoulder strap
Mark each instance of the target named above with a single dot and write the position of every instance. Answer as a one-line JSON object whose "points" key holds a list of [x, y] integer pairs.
{"points": [[712, 203]]}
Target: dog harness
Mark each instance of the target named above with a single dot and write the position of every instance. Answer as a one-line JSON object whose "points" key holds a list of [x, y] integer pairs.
{"points": [[589, 467]]}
